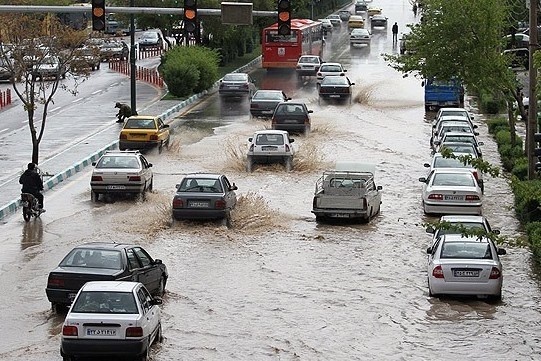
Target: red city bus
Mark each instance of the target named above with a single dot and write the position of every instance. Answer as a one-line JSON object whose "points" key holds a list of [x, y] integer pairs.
{"points": [[283, 51]]}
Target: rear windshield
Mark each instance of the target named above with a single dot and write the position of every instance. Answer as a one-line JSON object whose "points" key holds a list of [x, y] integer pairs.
{"points": [[468, 250], [93, 258], [106, 162], [140, 124], [442, 162], [205, 185], [269, 139], [105, 302], [454, 179]]}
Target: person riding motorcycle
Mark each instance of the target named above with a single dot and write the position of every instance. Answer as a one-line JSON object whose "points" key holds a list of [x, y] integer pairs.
{"points": [[32, 183]]}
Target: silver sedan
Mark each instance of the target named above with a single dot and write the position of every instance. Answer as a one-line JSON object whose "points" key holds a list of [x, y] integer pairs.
{"points": [[451, 191], [460, 265]]}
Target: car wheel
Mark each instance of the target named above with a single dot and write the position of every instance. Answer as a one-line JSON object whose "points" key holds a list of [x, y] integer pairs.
{"points": [[288, 163], [94, 196], [249, 164], [59, 308], [320, 218], [146, 354], [159, 335], [427, 108]]}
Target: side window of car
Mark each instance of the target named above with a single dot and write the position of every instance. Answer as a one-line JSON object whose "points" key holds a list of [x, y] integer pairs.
{"points": [[145, 259], [143, 299], [226, 182], [133, 262], [160, 123]]}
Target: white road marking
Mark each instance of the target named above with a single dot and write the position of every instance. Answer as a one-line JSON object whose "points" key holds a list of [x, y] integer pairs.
{"points": [[96, 92], [55, 109], [77, 100], [4, 130]]}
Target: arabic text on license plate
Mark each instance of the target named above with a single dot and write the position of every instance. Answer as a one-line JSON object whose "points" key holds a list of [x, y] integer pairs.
{"points": [[115, 187], [199, 204], [340, 215], [268, 148], [454, 198], [466, 273], [100, 332]]}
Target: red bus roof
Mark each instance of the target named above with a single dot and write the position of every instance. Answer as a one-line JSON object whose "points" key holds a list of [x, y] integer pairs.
{"points": [[296, 24]]}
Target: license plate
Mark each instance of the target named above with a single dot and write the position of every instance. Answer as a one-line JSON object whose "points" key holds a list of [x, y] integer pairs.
{"points": [[115, 187], [466, 273], [334, 96], [71, 296], [340, 215], [454, 198], [269, 148], [291, 121], [199, 204], [100, 332], [267, 111]]}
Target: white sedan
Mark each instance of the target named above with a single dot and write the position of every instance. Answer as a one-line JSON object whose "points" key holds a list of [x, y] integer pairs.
{"points": [[460, 265], [455, 224], [111, 318], [360, 36], [451, 191]]}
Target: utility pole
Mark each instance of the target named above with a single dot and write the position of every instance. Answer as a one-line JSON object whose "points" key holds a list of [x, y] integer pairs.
{"points": [[133, 67], [532, 126]]}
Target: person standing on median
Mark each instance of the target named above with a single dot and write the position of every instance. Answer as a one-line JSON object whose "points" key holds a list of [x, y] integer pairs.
{"points": [[395, 33]]}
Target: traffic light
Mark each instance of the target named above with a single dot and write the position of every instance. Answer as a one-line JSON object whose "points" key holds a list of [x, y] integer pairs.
{"points": [[98, 15], [190, 15], [284, 17], [537, 150]]}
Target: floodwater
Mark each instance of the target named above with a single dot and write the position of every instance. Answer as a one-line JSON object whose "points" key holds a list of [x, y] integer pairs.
{"points": [[277, 285]]}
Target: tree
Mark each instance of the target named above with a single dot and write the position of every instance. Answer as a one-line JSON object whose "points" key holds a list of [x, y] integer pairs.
{"points": [[462, 39], [31, 45]]}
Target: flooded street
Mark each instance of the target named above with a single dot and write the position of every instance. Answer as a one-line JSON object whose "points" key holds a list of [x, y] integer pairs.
{"points": [[278, 285]]}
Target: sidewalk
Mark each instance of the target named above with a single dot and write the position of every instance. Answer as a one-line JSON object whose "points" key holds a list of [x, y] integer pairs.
{"points": [[68, 163]]}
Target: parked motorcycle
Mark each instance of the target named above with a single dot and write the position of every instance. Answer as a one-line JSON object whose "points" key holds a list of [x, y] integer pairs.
{"points": [[30, 206]]}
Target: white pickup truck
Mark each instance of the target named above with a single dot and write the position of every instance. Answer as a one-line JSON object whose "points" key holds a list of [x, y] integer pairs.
{"points": [[348, 192]]}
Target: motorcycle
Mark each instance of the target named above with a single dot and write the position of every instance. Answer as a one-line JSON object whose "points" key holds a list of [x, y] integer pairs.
{"points": [[30, 206]]}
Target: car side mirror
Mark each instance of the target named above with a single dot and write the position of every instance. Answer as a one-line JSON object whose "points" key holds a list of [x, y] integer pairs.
{"points": [[496, 231], [156, 301], [481, 143], [501, 251], [94, 164], [149, 165], [291, 140], [434, 126], [429, 250], [430, 230], [352, 83], [158, 261], [177, 186], [427, 165], [165, 126], [379, 188], [475, 133], [310, 111], [288, 99], [422, 180], [250, 139], [475, 126], [233, 187]]}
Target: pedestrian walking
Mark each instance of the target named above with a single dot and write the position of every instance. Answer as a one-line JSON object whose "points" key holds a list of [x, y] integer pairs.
{"points": [[395, 32]]}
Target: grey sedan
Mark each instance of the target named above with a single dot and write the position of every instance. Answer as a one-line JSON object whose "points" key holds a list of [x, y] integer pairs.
{"points": [[264, 102], [236, 85], [204, 196]]}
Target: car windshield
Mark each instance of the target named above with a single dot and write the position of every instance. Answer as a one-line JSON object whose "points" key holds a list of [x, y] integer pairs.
{"points": [[442, 162], [454, 112], [150, 36], [105, 302], [235, 77], [334, 80], [453, 228], [310, 60], [331, 68], [269, 139], [112, 45], [459, 138], [111, 161], [457, 128], [93, 258], [268, 96], [136, 123], [466, 250], [454, 179], [204, 185], [464, 148], [290, 109]]}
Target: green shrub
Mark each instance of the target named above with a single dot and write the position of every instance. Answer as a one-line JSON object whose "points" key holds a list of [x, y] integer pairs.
{"points": [[520, 168], [180, 77], [497, 124], [533, 230], [527, 200]]}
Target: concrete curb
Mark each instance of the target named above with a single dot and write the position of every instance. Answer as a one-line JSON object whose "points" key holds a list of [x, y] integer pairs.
{"points": [[13, 206]]}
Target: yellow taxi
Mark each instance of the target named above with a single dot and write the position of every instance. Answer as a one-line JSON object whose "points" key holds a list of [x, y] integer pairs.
{"points": [[373, 10], [144, 131], [355, 22]]}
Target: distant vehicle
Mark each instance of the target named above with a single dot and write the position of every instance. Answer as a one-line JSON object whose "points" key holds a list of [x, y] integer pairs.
{"points": [[236, 85], [440, 93], [204, 196], [5, 70], [292, 117], [378, 21], [518, 40], [49, 67], [143, 132], [121, 172], [270, 146], [348, 192], [335, 87], [327, 25], [360, 36], [456, 224], [150, 40], [452, 125], [329, 69], [518, 58], [452, 137], [335, 19], [114, 50], [453, 111], [344, 15], [86, 57], [355, 22], [308, 65], [451, 191], [111, 318], [361, 6], [373, 10], [103, 261], [460, 265], [283, 51], [263, 102]]}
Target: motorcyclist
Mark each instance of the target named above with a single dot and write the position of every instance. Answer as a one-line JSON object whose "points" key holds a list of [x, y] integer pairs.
{"points": [[32, 183]]}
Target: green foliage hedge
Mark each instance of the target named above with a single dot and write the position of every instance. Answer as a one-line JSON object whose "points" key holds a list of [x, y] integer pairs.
{"points": [[533, 230], [189, 69]]}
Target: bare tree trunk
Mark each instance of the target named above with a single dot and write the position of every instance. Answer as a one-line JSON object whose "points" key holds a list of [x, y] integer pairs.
{"points": [[512, 121]]}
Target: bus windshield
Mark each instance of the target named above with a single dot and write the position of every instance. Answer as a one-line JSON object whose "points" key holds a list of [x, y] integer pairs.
{"points": [[272, 36]]}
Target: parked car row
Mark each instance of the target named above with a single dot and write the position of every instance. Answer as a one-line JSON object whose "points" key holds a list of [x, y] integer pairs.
{"points": [[462, 258]]}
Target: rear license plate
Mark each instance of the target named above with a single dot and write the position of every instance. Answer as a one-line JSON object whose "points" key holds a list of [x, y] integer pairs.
{"points": [[115, 187], [269, 148], [292, 121], [466, 273], [334, 96], [454, 198], [137, 135], [199, 204], [100, 332], [340, 215]]}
